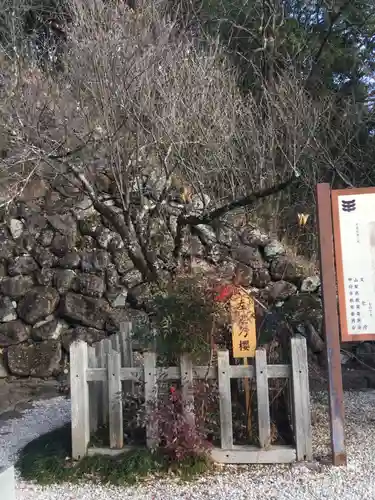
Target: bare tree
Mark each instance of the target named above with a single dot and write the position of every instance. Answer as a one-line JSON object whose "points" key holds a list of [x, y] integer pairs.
{"points": [[159, 115]]}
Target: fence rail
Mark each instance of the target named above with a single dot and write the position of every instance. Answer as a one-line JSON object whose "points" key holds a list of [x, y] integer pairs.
{"points": [[100, 374]]}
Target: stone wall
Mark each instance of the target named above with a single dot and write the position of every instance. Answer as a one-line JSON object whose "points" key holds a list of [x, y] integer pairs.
{"points": [[64, 274]]}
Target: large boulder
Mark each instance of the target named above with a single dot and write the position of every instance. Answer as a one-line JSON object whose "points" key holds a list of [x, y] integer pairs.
{"points": [[62, 244], [3, 269], [84, 208], [24, 245], [3, 367], [299, 314], [7, 310], [274, 249], [24, 210], [35, 223], [64, 224], [95, 261], [139, 319], [35, 360], [206, 234], [261, 278], [285, 268], [87, 334], [111, 278], [249, 256], [254, 237], [227, 236], [301, 309], [115, 318], [36, 188], [43, 256], [16, 228], [89, 284], [67, 185], [281, 290], [310, 284], [6, 244], [117, 298], [13, 332], [45, 276], [122, 261], [66, 233], [63, 280], [89, 225], [103, 236], [365, 353], [50, 329], [71, 260], [24, 264], [116, 244], [37, 304], [46, 237], [17, 286], [85, 310], [131, 278]]}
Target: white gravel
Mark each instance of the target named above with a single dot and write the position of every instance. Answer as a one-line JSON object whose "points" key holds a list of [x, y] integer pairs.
{"points": [[44, 417], [297, 482]]}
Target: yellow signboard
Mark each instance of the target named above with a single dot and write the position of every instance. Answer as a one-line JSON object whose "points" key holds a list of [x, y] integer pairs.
{"points": [[243, 325]]}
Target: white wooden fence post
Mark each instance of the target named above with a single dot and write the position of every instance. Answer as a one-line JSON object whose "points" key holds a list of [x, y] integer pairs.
{"points": [[187, 382], [105, 347], [301, 398], [99, 388], [93, 392], [115, 342], [151, 398], [116, 431], [126, 353], [79, 399], [264, 421], [225, 400]]}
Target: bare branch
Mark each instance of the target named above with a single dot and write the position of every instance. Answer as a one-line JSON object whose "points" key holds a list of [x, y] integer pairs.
{"points": [[246, 201]]}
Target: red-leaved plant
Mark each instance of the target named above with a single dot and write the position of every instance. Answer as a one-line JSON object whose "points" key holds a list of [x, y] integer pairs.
{"points": [[179, 435]]}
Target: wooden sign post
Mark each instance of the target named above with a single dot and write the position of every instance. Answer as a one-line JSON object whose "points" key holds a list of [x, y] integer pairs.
{"points": [[346, 223], [331, 324], [244, 337]]}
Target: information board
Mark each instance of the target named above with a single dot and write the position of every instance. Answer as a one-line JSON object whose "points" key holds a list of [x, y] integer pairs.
{"points": [[353, 213]]}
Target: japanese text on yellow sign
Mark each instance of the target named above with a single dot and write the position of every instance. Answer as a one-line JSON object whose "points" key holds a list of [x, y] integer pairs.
{"points": [[243, 325]]}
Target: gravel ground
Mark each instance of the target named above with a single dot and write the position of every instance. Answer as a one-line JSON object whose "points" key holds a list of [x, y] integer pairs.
{"points": [[313, 481], [45, 416]]}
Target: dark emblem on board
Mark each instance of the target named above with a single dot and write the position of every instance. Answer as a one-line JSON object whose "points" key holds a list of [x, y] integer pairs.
{"points": [[348, 205]]}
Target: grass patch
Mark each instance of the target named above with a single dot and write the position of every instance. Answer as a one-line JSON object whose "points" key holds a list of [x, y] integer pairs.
{"points": [[46, 460]]}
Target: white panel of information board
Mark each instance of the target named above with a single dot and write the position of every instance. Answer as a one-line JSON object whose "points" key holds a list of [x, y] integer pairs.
{"points": [[354, 241]]}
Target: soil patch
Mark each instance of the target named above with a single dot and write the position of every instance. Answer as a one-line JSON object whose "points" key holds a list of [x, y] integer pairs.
{"points": [[18, 395]]}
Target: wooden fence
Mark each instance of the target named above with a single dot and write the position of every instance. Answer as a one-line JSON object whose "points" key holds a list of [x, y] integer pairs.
{"points": [[98, 376]]}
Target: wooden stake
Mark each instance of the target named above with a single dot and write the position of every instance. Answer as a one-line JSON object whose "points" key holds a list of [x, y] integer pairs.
{"points": [[247, 383]]}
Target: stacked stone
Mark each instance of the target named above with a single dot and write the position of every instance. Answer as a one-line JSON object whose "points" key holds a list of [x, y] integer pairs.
{"points": [[65, 274]]}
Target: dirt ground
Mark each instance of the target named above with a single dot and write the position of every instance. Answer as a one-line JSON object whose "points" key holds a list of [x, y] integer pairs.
{"points": [[17, 395]]}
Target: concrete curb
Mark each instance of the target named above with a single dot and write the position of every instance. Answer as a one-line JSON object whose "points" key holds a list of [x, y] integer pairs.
{"points": [[7, 483]]}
